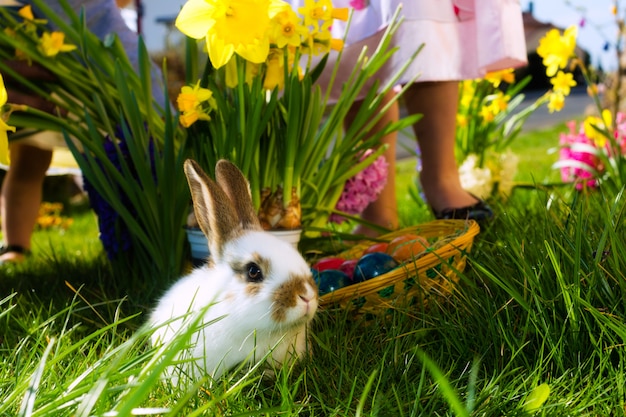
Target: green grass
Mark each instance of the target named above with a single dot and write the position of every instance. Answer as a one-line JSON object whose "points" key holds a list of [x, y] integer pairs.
{"points": [[536, 151], [542, 301]]}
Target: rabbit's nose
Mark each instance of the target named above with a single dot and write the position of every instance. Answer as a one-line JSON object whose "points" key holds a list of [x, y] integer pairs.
{"points": [[308, 304], [309, 298]]}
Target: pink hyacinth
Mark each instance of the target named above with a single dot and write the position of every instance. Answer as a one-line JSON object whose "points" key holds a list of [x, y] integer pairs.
{"points": [[358, 4], [577, 174], [362, 189], [583, 161]]}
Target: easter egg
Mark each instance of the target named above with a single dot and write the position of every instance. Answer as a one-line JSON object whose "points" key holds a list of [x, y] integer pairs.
{"points": [[407, 246], [372, 265], [376, 247], [316, 275], [329, 262], [331, 280], [348, 267]]}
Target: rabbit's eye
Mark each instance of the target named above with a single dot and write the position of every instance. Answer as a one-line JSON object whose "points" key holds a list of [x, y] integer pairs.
{"points": [[254, 273]]}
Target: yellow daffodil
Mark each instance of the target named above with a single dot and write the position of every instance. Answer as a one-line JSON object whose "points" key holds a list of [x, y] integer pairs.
{"points": [[26, 12], [4, 127], [190, 103], [563, 82], [593, 123], [462, 120], [287, 29], [496, 77], [340, 13], [319, 43], [29, 24], [500, 102], [230, 26], [607, 118], [589, 127], [486, 112], [556, 50], [188, 118], [191, 97], [52, 43], [322, 11], [556, 101], [275, 72], [336, 44], [468, 89]]}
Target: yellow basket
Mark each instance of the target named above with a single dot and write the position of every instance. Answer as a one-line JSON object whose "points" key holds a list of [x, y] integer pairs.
{"points": [[432, 274]]}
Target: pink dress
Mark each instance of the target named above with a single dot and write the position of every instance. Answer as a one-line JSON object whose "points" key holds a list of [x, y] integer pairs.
{"points": [[463, 39]]}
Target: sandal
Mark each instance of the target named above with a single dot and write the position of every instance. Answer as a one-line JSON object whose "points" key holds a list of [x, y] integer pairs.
{"points": [[20, 253]]}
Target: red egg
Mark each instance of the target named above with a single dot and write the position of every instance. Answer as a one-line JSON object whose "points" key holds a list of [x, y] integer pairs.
{"points": [[329, 262], [348, 267]]}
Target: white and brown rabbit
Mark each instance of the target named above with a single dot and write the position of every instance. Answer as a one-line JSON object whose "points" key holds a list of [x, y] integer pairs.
{"points": [[255, 294]]}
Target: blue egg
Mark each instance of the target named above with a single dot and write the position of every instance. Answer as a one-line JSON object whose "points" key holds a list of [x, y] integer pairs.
{"points": [[331, 280], [316, 275], [372, 265]]}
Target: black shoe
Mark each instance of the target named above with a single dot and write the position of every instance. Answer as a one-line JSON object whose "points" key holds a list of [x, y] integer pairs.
{"points": [[479, 212]]}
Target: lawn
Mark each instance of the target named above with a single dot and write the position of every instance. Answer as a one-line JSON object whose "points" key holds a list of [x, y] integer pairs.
{"points": [[537, 315]]}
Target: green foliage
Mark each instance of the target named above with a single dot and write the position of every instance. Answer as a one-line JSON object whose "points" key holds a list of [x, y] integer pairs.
{"points": [[489, 117], [98, 85], [542, 301], [541, 304], [292, 138]]}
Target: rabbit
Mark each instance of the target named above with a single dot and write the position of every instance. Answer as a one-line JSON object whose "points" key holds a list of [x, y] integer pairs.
{"points": [[255, 295]]}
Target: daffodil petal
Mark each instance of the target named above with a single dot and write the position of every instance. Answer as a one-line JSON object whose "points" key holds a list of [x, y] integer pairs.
{"points": [[4, 148], [3, 92], [341, 13], [204, 94], [195, 18], [607, 118], [255, 53], [277, 6], [219, 52]]}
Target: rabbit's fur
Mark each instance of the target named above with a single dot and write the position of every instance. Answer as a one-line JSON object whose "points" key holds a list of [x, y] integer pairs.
{"points": [[255, 294]]}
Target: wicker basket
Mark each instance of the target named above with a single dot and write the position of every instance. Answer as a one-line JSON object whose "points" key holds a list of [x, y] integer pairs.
{"points": [[432, 274]]}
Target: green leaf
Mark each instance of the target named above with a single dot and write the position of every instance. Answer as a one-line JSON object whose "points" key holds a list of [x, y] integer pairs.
{"points": [[536, 398]]}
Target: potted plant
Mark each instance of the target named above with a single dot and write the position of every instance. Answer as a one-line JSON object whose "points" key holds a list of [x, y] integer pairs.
{"points": [[257, 104]]}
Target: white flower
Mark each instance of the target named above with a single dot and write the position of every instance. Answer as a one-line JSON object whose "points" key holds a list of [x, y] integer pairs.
{"points": [[478, 181], [508, 168]]}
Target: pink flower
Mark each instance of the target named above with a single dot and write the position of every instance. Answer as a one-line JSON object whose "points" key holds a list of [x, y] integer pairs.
{"points": [[578, 165], [358, 4], [362, 189]]}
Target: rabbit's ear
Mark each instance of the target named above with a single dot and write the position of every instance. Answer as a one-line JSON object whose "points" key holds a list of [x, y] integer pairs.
{"points": [[231, 179], [214, 210]]}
